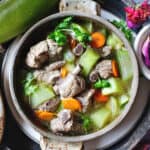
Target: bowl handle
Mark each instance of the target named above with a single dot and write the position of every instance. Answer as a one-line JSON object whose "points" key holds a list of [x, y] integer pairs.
{"points": [[49, 144]]}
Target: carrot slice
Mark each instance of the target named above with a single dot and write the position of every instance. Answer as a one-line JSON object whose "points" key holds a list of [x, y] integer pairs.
{"points": [[73, 43], [72, 104], [100, 98], [64, 72], [115, 69], [44, 115], [98, 40]]}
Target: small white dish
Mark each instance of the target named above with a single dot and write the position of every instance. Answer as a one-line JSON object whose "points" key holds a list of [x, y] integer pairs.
{"points": [[139, 41]]}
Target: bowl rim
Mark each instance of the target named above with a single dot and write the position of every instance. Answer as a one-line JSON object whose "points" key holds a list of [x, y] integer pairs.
{"points": [[139, 41], [134, 87]]}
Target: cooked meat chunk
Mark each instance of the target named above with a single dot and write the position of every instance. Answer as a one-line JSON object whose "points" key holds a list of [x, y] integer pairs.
{"points": [[37, 55], [72, 85], [86, 99], [56, 89], [85, 6], [50, 73], [78, 50], [66, 123], [46, 76], [104, 69], [55, 66], [94, 76], [53, 49], [65, 116], [77, 70], [105, 51], [50, 105], [42, 52]]}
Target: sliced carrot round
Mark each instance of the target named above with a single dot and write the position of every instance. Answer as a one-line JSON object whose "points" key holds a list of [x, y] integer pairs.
{"points": [[44, 115], [115, 69], [72, 104], [100, 98], [64, 72], [98, 40], [73, 43]]}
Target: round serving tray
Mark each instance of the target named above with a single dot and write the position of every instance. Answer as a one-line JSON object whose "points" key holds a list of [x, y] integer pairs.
{"points": [[104, 141]]}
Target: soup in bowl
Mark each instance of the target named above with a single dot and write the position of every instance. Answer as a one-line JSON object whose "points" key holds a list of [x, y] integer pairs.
{"points": [[74, 77]]}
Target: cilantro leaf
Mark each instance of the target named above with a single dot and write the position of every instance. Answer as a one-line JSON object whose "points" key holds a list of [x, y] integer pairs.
{"points": [[65, 23], [123, 27], [29, 84], [59, 37], [101, 84], [86, 122]]}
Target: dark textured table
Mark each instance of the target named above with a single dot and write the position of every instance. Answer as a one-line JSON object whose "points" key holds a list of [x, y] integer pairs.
{"points": [[17, 140]]}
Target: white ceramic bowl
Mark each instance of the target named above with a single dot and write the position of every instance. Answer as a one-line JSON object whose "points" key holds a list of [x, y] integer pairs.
{"points": [[138, 44]]}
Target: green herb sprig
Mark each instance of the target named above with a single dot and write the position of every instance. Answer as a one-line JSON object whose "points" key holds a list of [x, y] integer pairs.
{"points": [[101, 84], [123, 27], [86, 122], [67, 26], [29, 84]]}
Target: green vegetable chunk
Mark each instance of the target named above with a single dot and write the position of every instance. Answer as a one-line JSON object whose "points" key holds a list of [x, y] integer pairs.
{"points": [[70, 66], [116, 87], [123, 100], [41, 95], [125, 65], [101, 117], [101, 84], [88, 60], [113, 105], [114, 42], [88, 25], [104, 31], [69, 56]]}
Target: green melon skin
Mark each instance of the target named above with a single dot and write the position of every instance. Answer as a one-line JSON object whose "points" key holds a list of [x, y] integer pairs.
{"points": [[18, 15]]}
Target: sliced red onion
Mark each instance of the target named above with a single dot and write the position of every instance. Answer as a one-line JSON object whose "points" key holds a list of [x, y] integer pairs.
{"points": [[147, 62], [146, 51]]}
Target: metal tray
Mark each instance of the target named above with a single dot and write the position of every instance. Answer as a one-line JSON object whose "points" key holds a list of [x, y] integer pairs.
{"points": [[104, 141]]}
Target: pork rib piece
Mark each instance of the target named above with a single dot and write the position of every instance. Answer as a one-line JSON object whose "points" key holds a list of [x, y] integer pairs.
{"points": [[42, 52], [72, 85]]}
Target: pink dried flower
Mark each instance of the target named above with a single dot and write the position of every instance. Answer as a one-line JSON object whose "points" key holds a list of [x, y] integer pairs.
{"points": [[137, 15]]}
